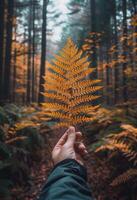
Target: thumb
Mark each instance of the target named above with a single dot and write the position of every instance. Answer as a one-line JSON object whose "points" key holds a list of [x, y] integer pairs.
{"points": [[71, 136]]}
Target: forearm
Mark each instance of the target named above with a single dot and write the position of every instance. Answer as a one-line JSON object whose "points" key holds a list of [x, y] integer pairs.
{"points": [[67, 181]]}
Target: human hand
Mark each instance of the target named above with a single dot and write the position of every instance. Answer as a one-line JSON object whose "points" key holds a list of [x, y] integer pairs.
{"points": [[70, 146]]}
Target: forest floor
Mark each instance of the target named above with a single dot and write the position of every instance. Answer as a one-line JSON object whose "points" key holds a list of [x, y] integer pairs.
{"points": [[108, 122], [106, 160]]}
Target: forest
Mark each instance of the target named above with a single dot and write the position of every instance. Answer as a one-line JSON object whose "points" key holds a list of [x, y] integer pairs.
{"points": [[68, 63]]}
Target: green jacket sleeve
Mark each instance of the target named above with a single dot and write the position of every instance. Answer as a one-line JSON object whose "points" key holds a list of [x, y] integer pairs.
{"points": [[67, 181]]}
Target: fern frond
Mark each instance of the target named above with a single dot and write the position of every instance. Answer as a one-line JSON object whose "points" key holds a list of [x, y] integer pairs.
{"points": [[75, 57], [124, 177], [58, 115], [56, 89], [70, 48], [130, 129], [85, 83], [121, 146], [80, 119], [80, 69], [62, 124], [126, 134], [84, 109], [59, 63], [62, 60], [15, 139], [56, 76], [80, 62], [50, 81], [56, 69], [105, 147], [57, 97], [85, 73], [55, 106], [82, 99], [87, 90], [68, 87], [114, 145], [73, 121]]}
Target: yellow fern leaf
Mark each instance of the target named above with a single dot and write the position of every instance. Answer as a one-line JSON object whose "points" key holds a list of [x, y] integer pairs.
{"points": [[56, 76], [82, 99], [85, 83], [62, 124], [50, 81], [62, 60], [69, 88], [84, 109], [70, 48], [80, 69], [74, 58], [55, 106], [57, 97], [58, 115], [77, 56], [56, 69], [124, 177], [81, 62], [80, 92], [80, 119], [59, 63], [56, 89], [79, 77]]}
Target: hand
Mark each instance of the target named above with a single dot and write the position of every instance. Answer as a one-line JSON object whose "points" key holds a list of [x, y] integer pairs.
{"points": [[69, 146]]}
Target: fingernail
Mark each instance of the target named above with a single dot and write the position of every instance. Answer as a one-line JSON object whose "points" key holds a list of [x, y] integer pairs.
{"points": [[71, 129], [85, 151]]}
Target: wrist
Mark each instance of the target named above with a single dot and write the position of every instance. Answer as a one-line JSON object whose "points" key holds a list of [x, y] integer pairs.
{"points": [[72, 166]]}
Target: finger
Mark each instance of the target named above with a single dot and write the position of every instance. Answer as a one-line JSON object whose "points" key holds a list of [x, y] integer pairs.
{"points": [[80, 159], [63, 139], [82, 149], [78, 137], [71, 136]]}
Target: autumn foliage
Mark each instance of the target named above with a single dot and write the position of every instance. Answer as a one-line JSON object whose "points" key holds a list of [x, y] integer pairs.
{"points": [[69, 92], [91, 86]]}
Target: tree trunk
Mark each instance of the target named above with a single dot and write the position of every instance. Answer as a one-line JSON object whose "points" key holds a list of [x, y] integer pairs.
{"points": [[116, 71], [29, 67], [93, 30], [2, 21], [124, 84], [14, 74], [33, 55], [7, 67], [134, 2], [43, 52]]}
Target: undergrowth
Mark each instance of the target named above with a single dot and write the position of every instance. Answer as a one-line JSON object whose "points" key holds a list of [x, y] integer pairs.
{"points": [[26, 143]]}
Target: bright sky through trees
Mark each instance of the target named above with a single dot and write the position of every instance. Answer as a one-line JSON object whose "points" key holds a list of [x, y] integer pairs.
{"points": [[60, 5]]}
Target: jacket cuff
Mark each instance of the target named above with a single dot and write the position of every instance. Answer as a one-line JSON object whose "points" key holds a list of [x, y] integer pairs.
{"points": [[72, 166]]}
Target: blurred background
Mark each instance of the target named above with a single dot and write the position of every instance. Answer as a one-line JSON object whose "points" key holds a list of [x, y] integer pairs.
{"points": [[32, 31]]}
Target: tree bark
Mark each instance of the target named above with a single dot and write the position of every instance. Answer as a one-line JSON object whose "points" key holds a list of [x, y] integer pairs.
{"points": [[134, 2], [93, 30], [116, 71], [124, 84], [29, 67], [43, 52], [7, 67], [2, 21], [33, 54]]}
